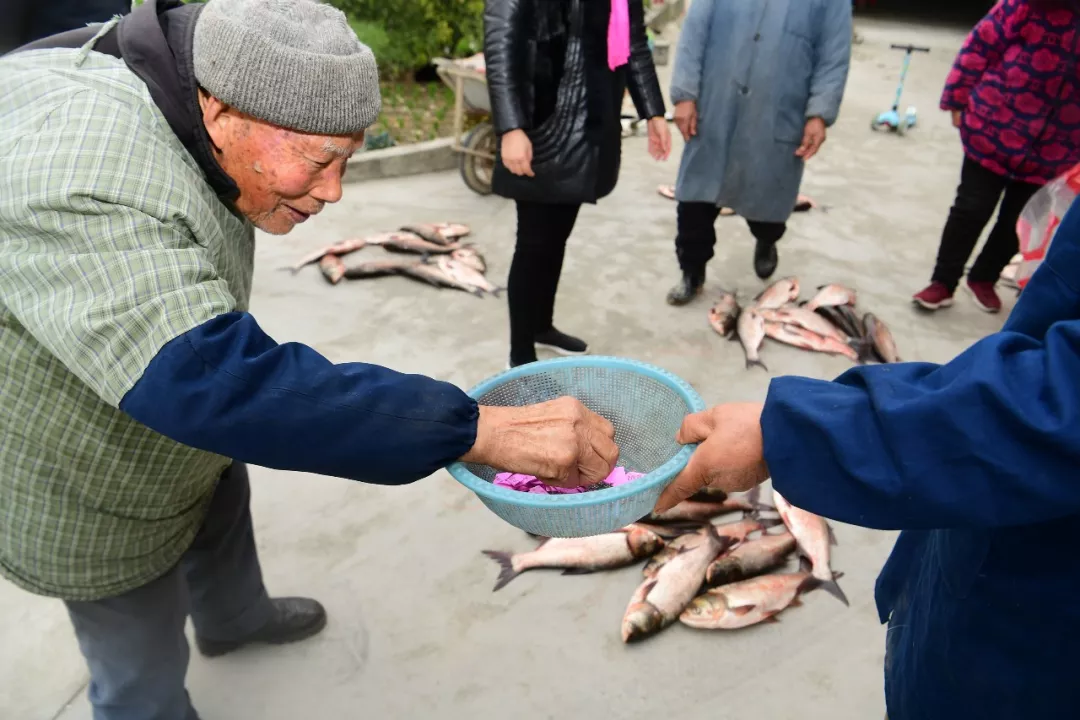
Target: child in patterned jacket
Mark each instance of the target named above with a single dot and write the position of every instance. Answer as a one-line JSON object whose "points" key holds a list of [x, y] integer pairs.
{"points": [[1014, 94]]}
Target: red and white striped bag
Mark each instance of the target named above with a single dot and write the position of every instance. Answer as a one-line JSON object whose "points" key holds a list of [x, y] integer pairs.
{"points": [[1040, 219]]}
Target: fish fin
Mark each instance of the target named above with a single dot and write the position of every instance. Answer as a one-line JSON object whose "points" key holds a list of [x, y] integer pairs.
{"points": [[771, 619], [742, 609], [578, 571], [795, 602], [833, 589], [751, 363], [832, 535], [497, 292], [507, 572], [754, 498]]}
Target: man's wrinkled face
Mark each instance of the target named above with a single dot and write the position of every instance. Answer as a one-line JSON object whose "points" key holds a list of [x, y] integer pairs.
{"points": [[284, 177]]}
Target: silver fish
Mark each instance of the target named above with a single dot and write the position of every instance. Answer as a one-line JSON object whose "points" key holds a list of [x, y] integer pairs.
{"points": [[659, 601], [410, 242], [577, 556], [779, 294], [751, 329], [433, 275], [806, 319], [741, 604], [438, 233], [724, 314], [802, 338], [814, 537], [466, 275], [881, 338], [834, 294], [378, 268], [333, 269], [750, 558], [468, 255]]}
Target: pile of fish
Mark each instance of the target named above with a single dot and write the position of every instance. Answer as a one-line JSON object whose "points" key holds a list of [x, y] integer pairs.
{"points": [[438, 258], [826, 323], [704, 574]]}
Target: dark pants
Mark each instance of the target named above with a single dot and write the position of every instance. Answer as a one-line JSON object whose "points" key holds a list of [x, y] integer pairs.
{"points": [[976, 198], [542, 232], [134, 643], [696, 236]]}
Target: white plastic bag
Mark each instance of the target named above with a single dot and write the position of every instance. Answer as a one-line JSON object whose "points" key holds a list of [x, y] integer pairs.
{"points": [[1040, 218]]}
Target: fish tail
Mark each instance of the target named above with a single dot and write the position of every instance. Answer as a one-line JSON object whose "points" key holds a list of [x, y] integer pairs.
{"points": [[506, 565], [497, 292], [832, 535], [833, 588], [751, 363]]}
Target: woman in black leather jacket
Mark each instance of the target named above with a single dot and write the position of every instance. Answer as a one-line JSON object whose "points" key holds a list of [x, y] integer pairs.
{"points": [[525, 49]]}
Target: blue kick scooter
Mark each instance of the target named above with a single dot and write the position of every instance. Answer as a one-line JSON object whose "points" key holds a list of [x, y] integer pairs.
{"points": [[890, 119]]}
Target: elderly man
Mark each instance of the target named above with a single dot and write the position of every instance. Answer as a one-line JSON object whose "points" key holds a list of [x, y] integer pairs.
{"points": [[755, 86], [976, 461], [134, 383]]}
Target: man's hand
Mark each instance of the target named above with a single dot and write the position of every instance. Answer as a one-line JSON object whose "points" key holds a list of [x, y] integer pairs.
{"points": [[517, 153], [686, 118], [957, 118], [730, 456], [659, 138], [560, 441], [813, 138]]}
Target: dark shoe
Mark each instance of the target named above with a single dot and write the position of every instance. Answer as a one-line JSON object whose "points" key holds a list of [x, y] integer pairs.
{"points": [[294, 619], [561, 343], [513, 363], [687, 289], [934, 296], [985, 296], [765, 259]]}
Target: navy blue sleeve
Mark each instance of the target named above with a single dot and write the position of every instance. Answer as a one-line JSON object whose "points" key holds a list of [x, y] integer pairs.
{"points": [[228, 388], [990, 439]]}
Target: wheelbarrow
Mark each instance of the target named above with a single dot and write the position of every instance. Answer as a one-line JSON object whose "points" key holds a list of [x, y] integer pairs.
{"points": [[477, 149]]}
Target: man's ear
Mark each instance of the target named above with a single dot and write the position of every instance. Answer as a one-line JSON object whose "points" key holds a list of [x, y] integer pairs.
{"points": [[216, 118]]}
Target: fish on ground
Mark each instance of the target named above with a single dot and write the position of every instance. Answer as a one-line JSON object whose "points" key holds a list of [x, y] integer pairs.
{"points": [[341, 248], [730, 534], [780, 293], [700, 511], [434, 275], [438, 233], [806, 319], [881, 338], [746, 603], [580, 555], [470, 256], [660, 600], [749, 559], [378, 268], [802, 338], [814, 538], [724, 314], [842, 321], [466, 275], [332, 268], [751, 331], [410, 242], [834, 294]]}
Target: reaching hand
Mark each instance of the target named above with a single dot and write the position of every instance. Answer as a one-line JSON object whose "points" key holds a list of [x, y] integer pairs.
{"points": [[730, 456], [686, 118], [517, 153], [957, 118], [560, 441], [813, 138], [659, 138]]}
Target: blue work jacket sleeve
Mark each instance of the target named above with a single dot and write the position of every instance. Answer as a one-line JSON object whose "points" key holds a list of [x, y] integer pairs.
{"points": [[990, 439], [832, 55], [690, 52], [226, 387]]}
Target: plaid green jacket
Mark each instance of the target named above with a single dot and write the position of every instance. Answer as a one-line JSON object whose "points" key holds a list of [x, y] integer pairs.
{"points": [[111, 244]]}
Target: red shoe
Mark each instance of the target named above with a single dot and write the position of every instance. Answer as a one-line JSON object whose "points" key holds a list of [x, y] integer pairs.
{"points": [[935, 296], [985, 296]]}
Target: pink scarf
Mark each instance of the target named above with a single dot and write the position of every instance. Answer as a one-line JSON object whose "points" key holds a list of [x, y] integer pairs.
{"points": [[618, 34]]}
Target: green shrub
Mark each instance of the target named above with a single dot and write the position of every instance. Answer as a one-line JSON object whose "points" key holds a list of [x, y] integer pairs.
{"points": [[412, 32]]}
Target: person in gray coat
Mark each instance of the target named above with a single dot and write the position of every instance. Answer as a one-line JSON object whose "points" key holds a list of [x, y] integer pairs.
{"points": [[755, 86]]}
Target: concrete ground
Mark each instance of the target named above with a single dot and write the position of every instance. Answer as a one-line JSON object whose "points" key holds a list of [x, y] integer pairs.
{"points": [[415, 630]]}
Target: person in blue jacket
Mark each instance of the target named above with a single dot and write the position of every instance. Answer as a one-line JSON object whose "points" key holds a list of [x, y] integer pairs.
{"points": [[977, 461]]}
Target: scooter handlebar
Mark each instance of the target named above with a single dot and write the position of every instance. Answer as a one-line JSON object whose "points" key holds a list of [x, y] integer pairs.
{"points": [[910, 48]]}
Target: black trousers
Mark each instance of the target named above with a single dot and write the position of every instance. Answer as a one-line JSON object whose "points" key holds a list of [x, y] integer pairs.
{"points": [[976, 197], [696, 236], [542, 232]]}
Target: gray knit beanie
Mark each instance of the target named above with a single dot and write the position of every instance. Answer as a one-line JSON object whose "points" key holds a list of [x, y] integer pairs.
{"points": [[293, 63]]}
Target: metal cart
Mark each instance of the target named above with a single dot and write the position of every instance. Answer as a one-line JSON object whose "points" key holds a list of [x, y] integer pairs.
{"points": [[477, 149]]}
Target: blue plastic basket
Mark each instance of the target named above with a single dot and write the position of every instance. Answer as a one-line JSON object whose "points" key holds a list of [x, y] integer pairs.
{"points": [[645, 404]]}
